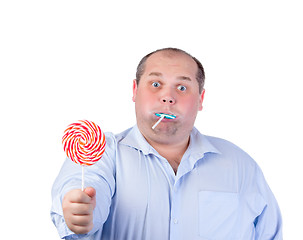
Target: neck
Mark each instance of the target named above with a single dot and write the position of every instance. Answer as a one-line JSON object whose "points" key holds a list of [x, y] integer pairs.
{"points": [[173, 153]]}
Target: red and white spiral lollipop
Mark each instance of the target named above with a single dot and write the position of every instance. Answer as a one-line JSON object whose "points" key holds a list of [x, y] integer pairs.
{"points": [[84, 143]]}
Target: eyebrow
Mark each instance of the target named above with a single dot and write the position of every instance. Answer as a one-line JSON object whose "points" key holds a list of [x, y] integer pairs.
{"points": [[158, 74], [184, 78]]}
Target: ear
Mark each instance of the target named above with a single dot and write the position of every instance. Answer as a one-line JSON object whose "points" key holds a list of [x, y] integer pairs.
{"points": [[135, 87], [201, 100]]}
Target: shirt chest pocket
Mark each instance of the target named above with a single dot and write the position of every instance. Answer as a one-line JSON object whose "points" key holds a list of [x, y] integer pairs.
{"points": [[218, 215]]}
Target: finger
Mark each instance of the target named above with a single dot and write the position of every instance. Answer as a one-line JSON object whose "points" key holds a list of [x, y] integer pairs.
{"points": [[81, 208], [78, 196], [91, 192], [81, 220], [81, 229]]}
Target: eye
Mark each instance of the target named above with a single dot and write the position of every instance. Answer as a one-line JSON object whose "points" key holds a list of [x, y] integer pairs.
{"points": [[156, 84], [182, 88]]}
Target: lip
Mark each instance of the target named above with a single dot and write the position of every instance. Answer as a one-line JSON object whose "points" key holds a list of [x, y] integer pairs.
{"points": [[165, 119], [168, 120]]}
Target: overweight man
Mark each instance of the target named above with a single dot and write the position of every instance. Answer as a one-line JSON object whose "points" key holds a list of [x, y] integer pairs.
{"points": [[170, 181]]}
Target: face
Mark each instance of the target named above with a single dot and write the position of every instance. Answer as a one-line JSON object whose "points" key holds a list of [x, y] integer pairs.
{"points": [[168, 85]]}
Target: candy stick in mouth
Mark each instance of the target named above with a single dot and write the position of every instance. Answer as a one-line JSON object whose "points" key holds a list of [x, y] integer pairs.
{"points": [[156, 124], [162, 116]]}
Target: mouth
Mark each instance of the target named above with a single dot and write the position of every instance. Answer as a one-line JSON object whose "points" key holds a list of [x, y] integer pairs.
{"points": [[163, 117], [166, 115]]}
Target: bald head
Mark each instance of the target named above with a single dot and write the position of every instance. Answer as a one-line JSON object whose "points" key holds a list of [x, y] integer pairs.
{"points": [[172, 52]]}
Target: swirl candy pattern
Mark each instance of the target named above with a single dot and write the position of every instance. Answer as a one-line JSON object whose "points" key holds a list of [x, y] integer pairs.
{"points": [[84, 142]]}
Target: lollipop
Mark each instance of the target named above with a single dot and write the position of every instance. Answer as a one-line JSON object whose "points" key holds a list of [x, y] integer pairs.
{"points": [[84, 143], [162, 115]]}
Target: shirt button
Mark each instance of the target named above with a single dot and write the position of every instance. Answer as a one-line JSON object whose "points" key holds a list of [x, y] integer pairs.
{"points": [[175, 221]]}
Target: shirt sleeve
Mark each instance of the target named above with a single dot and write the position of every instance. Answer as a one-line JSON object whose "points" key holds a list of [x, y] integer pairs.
{"points": [[100, 176], [268, 224]]}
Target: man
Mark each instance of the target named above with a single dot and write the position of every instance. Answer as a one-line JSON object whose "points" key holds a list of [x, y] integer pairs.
{"points": [[167, 182]]}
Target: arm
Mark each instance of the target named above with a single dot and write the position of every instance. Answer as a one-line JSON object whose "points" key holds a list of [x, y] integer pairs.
{"points": [[268, 224], [101, 177]]}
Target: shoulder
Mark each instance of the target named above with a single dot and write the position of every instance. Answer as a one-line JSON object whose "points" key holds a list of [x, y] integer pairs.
{"points": [[231, 158], [114, 140], [229, 151], [225, 146]]}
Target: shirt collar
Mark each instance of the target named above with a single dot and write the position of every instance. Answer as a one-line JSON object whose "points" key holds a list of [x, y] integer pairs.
{"points": [[199, 145], [134, 138]]}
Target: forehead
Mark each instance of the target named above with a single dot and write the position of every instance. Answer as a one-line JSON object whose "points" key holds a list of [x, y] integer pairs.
{"points": [[168, 60]]}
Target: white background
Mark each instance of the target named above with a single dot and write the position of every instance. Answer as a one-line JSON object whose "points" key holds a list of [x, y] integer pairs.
{"points": [[61, 61]]}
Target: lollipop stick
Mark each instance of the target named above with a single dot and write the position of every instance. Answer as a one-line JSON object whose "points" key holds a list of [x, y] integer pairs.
{"points": [[82, 178], [156, 124]]}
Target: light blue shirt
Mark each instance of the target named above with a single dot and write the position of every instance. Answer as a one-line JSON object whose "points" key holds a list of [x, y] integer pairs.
{"points": [[218, 193]]}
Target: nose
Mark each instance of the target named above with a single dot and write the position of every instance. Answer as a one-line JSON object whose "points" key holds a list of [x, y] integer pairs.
{"points": [[168, 100]]}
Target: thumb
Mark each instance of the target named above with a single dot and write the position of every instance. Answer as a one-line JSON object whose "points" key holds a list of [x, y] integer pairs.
{"points": [[91, 192]]}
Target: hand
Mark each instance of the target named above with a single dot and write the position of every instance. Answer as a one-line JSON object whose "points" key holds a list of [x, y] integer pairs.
{"points": [[78, 209]]}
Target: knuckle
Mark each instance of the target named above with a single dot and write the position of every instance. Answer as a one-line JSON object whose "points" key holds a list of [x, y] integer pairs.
{"points": [[81, 229], [77, 197], [66, 208], [88, 208], [72, 196], [81, 220]]}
